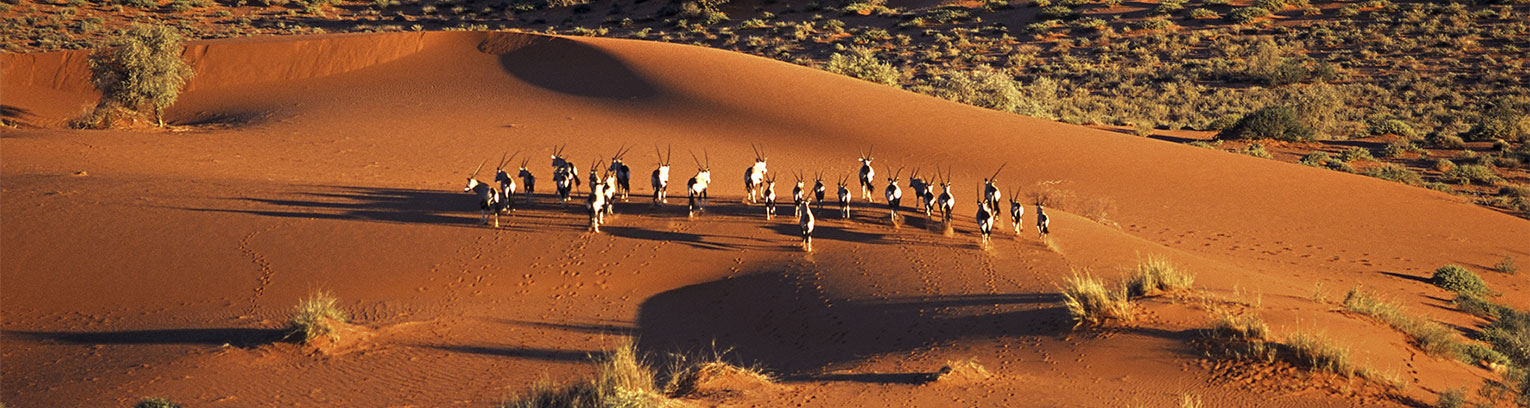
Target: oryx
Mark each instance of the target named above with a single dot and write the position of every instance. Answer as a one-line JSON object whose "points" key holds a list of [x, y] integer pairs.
{"points": [[1016, 209], [754, 176], [921, 189], [488, 199], [621, 173], [867, 174], [946, 201], [696, 187], [660, 177], [1042, 222], [844, 197], [799, 195], [985, 217], [507, 186], [528, 181], [894, 194], [805, 220], [565, 175], [770, 197]]}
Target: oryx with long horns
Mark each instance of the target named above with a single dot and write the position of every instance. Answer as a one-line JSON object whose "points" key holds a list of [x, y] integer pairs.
{"points": [[894, 194], [528, 181], [488, 199], [818, 190], [843, 193], [770, 197], [867, 174], [507, 186], [805, 221], [660, 177], [946, 201], [565, 174], [985, 216], [920, 189], [1016, 210], [754, 176], [799, 195], [990, 191], [621, 173], [696, 187], [595, 204], [1042, 222]]}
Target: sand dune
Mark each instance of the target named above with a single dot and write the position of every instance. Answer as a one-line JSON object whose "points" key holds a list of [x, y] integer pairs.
{"points": [[336, 162]]}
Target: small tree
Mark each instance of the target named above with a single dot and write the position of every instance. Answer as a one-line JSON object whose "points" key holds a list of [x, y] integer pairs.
{"points": [[142, 69]]}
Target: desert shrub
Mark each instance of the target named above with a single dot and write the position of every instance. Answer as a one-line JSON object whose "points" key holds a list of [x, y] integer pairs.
{"points": [[144, 4], [1246, 15], [1271, 122], [861, 63], [1507, 266], [1473, 173], [1156, 23], [1391, 126], [1395, 172], [143, 67], [1452, 398], [1510, 336], [1240, 327], [316, 316], [693, 378], [994, 89], [1457, 279], [1479, 354], [1433, 338], [1316, 159], [1476, 305], [1502, 122], [1157, 274], [156, 403], [1271, 5], [1204, 14], [1089, 302], [1055, 13], [1240, 337], [1319, 353], [1256, 150], [1356, 153], [1446, 141], [1398, 148], [1165, 7]]}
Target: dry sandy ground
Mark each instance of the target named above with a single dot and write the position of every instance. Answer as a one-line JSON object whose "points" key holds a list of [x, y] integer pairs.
{"points": [[141, 263]]}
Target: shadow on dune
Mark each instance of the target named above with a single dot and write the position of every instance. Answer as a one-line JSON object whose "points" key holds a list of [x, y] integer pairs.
{"points": [[240, 337], [791, 327], [568, 67], [1406, 277], [572, 356], [404, 206]]}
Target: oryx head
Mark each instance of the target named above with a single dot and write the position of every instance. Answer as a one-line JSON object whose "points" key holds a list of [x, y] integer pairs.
{"points": [[472, 182], [499, 169]]}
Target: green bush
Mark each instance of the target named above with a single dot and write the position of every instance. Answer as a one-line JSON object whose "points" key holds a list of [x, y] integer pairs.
{"points": [[1316, 159], [143, 4], [1502, 122], [1473, 173], [1395, 172], [1510, 336], [1204, 14], [1245, 15], [1157, 23], [1457, 279], [1271, 122], [861, 63], [1398, 148], [1507, 266], [1356, 153], [1055, 13], [1391, 126], [142, 68]]}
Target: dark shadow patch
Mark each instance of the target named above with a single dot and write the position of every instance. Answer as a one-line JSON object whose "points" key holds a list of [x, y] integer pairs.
{"points": [[784, 322], [1406, 277], [575, 68], [868, 378], [568, 356], [590, 328]]}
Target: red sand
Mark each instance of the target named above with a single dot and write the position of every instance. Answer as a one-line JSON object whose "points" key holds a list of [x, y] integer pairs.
{"points": [[164, 263]]}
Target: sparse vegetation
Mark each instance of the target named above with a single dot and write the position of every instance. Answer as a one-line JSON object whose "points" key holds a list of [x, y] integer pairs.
{"points": [[317, 315], [1506, 266], [963, 371], [142, 70], [622, 379], [1431, 337], [156, 403], [1271, 122], [1089, 301], [1156, 274], [1457, 279], [863, 64], [1320, 353]]}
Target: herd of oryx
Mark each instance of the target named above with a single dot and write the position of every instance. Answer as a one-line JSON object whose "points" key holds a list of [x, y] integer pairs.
{"points": [[612, 183]]}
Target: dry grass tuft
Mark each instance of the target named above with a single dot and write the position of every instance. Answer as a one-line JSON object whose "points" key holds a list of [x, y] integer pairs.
{"points": [[1156, 274], [1433, 338], [318, 315], [1190, 400], [1240, 337], [1320, 353], [715, 376], [622, 379], [962, 372], [150, 403], [1089, 301]]}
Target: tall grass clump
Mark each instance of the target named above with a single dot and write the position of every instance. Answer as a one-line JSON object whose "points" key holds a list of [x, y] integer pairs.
{"points": [[1457, 279], [1433, 338], [317, 315], [1507, 266], [622, 379], [1240, 336], [1089, 302], [1320, 353], [1156, 274]]}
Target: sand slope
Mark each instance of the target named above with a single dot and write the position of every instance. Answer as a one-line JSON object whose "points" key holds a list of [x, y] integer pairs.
{"points": [[336, 162]]}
